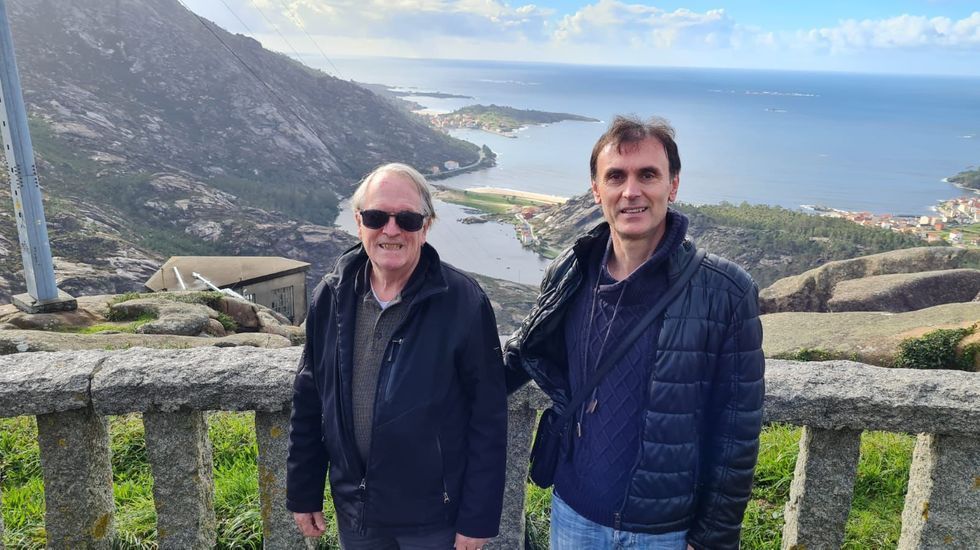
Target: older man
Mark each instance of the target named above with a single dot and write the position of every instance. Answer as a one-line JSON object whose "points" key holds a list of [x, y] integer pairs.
{"points": [[661, 452], [400, 392]]}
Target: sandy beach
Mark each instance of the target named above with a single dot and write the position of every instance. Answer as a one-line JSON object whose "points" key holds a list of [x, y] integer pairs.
{"points": [[540, 197]]}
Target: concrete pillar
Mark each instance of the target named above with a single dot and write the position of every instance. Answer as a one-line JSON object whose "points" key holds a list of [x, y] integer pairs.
{"points": [[942, 505], [521, 420], [179, 451], [823, 484], [279, 531], [77, 479]]}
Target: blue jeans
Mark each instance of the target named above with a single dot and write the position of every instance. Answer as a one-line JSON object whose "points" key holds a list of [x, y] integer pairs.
{"points": [[570, 531]]}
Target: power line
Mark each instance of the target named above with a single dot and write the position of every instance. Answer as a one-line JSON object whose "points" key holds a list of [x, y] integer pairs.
{"points": [[299, 24], [267, 86], [275, 28]]}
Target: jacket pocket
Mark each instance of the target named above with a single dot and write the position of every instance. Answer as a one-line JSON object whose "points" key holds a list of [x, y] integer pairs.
{"points": [[390, 359]]}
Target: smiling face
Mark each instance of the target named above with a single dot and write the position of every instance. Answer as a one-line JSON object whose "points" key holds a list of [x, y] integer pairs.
{"points": [[633, 186], [393, 252]]}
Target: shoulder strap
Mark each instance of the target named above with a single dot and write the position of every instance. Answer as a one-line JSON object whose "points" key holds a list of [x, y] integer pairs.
{"points": [[638, 329]]}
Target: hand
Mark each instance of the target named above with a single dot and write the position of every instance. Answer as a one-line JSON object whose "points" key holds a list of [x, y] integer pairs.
{"points": [[466, 543], [689, 547], [310, 524]]}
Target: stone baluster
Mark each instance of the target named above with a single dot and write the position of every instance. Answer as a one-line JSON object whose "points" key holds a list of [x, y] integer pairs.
{"points": [[521, 419], [823, 484], [78, 501], [942, 505], [278, 528], [179, 451]]}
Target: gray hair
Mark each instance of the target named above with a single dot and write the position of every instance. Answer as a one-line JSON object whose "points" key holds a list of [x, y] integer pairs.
{"points": [[357, 199]]}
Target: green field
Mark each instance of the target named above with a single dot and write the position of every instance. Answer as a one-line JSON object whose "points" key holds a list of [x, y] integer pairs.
{"points": [[486, 202], [874, 522]]}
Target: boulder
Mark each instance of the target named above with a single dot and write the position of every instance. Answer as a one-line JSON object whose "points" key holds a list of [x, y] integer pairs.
{"points": [[215, 328], [177, 321], [241, 311], [61, 320], [811, 290], [905, 291], [868, 337], [22, 341], [171, 317]]}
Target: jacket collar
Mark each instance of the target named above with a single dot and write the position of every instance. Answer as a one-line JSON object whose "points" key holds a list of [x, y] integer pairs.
{"points": [[599, 236], [427, 278]]}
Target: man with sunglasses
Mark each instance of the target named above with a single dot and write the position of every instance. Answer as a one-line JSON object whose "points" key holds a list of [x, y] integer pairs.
{"points": [[400, 391]]}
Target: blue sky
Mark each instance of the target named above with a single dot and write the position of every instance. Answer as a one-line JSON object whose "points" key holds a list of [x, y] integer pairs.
{"points": [[904, 36]]}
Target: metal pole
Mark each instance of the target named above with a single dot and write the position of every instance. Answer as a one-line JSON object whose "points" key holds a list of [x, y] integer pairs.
{"points": [[24, 188]]}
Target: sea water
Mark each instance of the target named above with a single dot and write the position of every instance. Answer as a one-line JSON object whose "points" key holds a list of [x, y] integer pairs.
{"points": [[881, 143]]}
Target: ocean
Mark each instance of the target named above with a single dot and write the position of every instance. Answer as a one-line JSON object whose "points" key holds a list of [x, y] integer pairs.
{"points": [[881, 143]]}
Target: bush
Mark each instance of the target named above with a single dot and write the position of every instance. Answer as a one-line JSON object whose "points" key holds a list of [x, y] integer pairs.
{"points": [[937, 350]]}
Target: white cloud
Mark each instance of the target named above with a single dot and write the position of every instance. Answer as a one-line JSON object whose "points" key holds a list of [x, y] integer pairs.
{"points": [[612, 21], [903, 31], [417, 19], [605, 31]]}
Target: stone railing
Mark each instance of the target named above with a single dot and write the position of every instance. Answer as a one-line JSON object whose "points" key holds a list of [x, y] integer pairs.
{"points": [[71, 393]]}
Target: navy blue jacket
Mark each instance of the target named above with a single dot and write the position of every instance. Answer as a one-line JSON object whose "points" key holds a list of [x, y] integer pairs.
{"points": [[703, 410], [438, 445]]}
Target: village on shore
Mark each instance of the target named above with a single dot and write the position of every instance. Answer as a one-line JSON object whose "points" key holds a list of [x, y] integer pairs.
{"points": [[955, 222]]}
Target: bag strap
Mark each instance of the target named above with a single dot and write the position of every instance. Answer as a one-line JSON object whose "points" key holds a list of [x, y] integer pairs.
{"points": [[638, 329]]}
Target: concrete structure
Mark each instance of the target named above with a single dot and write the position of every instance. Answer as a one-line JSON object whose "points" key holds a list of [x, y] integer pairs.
{"points": [[71, 392], [277, 283]]}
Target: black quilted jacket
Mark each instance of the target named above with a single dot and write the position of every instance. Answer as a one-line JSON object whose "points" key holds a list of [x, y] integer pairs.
{"points": [[705, 391]]}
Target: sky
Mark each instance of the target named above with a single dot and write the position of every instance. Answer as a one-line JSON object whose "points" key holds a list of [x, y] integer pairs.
{"points": [[901, 36]]}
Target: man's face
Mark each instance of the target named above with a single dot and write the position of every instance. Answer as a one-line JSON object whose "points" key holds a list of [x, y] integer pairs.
{"points": [[393, 251], [633, 186]]}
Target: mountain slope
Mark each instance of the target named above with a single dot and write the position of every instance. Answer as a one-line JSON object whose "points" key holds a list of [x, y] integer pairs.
{"points": [[152, 139]]}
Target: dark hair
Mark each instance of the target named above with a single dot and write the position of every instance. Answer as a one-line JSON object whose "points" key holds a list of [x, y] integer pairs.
{"points": [[633, 130]]}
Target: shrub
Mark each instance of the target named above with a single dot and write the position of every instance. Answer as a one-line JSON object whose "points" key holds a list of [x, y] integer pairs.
{"points": [[227, 322], [937, 350]]}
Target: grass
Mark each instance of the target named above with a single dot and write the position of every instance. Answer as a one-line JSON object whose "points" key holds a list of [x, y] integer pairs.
{"points": [[486, 202], [874, 522], [123, 327]]}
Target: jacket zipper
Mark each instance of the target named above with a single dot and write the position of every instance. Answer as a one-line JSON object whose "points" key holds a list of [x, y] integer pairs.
{"points": [[362, 527], [392, 353], [385, 378], [442, 471]]}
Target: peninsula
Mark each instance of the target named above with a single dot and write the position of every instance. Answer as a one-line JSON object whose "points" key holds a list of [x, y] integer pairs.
{"points": [[500, 119], [969, 179]]}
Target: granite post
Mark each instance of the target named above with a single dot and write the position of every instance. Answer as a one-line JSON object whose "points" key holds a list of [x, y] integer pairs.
{"points": [[823, 484], [942, 505], [179, 451], [278, 528], [77, 473], [520, 427]]}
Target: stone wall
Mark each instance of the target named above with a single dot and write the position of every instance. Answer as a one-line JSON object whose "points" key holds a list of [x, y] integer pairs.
{"points": [[71, 392]]}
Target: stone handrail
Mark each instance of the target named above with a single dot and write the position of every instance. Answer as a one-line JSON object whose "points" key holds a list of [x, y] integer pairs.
{"points": [[71, 392]]}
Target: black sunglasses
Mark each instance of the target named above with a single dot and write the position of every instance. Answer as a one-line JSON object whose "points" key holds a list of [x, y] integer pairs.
{"points": [[406, 219]]}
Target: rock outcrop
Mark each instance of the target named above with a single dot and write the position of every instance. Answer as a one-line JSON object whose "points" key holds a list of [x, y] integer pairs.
{"points": [[868, 337], [905, 291], [814, 290], [155, 320]]}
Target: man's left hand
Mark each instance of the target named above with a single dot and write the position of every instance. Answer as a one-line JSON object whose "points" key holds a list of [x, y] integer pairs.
{"points": [[466, 543]]}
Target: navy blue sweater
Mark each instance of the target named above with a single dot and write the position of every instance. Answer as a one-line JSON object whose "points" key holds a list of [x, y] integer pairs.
{"points": [[592, 477]]}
